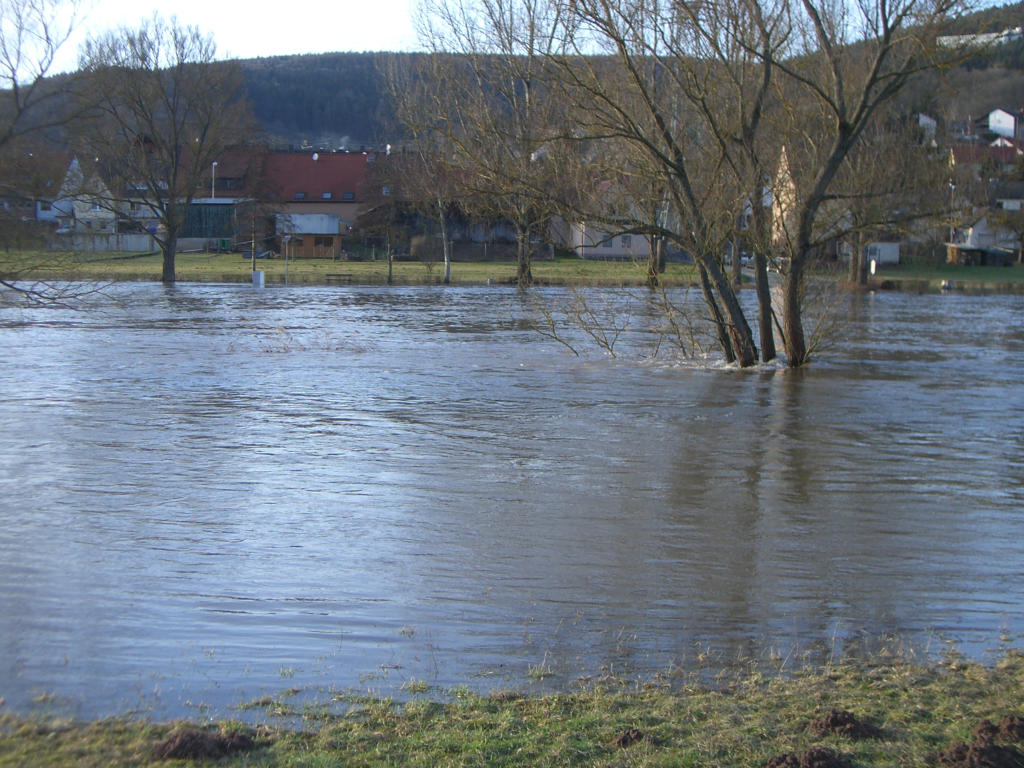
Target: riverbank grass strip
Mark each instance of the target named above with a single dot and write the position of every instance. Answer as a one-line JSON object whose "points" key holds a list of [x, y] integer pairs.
{"points": [[855, 714]]}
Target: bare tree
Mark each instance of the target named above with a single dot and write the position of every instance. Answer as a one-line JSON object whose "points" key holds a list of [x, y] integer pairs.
{"points": [[847, 64], [490, 105], [646, 84], [698, 102], [892, 183], [32, 32], [165, 111]]}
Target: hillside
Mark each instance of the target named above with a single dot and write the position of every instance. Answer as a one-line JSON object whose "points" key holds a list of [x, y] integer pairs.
{"points": [[340, 100], [334, 99]]}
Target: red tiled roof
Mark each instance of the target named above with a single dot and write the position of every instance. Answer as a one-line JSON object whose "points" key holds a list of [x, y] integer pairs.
{"points": [[975, 153], [316, 176]]}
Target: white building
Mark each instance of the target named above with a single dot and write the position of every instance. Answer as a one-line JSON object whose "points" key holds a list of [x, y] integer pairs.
{"points": [[1008, 123]]}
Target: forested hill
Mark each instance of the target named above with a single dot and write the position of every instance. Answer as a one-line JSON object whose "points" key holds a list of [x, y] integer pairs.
{"points": [[336, 100], [340, 100]]}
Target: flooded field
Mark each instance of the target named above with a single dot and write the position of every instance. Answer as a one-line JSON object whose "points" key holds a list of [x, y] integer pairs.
{"points": [[212, 492]]}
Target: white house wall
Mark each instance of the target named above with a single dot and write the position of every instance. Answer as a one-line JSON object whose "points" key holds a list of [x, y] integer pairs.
{"points": [[308, 223], [591, 241], [1004, 123]]}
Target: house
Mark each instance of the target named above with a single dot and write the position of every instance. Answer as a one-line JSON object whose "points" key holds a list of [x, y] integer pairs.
{"points": [[783, 200], [29, 184], [1008, 196], [315, 197], [982, 39], [928, 126], [1007, 123], [220, 215], [592, 241], [882, 253], [83, 202], [983, 160], [983, 244]]}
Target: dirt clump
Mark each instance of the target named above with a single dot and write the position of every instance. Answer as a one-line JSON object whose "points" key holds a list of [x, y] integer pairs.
{"points": [[981, 754], [838, 722], [817, 757], [1010, 728], [629, 737], [189, 743]]}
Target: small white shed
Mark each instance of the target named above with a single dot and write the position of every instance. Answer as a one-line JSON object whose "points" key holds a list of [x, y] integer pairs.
{"points": [[882, 253]]}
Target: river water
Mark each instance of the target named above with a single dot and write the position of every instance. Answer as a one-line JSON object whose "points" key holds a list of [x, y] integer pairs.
{"points": [[212, 492]]}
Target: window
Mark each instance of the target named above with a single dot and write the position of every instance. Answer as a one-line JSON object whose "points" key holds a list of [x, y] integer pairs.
{"points": [[349, 196], [323, 242], [385, 191], [608, 243], [627, 241], [326, 195], [300, 195]]}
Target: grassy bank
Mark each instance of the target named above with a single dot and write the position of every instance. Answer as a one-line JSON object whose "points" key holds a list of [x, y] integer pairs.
{"points": [[951, 277], [888, 713], [232, 267]]}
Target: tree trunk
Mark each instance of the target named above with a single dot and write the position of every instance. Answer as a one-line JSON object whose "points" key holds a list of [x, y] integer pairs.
{"points": [[391, 258], [858, 264], [524, 276], [446, 246], [764, 307], [716, 314], [170, 247], [655, 261], [739, 329], [765, 319], [736, 268], [792, 324]]}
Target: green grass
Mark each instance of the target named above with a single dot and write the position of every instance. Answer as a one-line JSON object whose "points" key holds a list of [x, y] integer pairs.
{"points": [[231, 267], [993, 278], [744, 719]]}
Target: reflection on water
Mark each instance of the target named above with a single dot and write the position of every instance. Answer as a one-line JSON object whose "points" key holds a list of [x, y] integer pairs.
{"points": [[211, 492]]}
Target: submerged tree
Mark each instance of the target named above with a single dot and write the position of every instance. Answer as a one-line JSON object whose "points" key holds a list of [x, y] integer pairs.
{"points": [[695, 103], [164, 112], [846, 66]]}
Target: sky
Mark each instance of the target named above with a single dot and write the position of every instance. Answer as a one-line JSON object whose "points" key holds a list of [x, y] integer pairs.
{"points": [[249, 29]]}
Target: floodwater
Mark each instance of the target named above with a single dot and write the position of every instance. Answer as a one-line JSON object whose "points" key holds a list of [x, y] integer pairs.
{"points": [[210, 493]]}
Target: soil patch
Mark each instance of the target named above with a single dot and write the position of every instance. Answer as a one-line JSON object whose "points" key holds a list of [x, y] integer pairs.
{"points": [[1010, 728], [818, 757], [192, 744], [839, 722], [628, 738], [981, 754]]}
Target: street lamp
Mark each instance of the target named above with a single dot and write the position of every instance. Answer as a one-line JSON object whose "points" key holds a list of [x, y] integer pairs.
{"points": [[213, 180]]}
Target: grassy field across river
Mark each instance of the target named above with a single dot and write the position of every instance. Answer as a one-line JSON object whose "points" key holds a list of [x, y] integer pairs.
{"points": [[233, 267], [889, 712]]}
